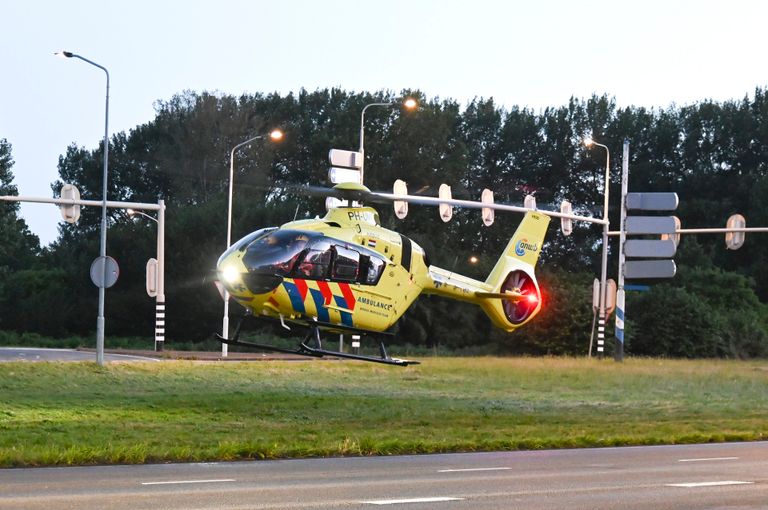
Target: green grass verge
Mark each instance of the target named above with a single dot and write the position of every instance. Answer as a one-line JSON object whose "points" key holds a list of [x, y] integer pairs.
{"points": [[78, 413]]}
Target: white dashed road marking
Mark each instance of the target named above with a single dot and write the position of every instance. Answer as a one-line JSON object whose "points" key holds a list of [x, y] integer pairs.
{"points": [[469, 470], [412, 500], [188, 481], [708, 459], [709, 484]]}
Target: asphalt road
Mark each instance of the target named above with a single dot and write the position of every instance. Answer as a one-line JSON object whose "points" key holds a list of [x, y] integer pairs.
{"points": [[713, 476], [36, 354]]}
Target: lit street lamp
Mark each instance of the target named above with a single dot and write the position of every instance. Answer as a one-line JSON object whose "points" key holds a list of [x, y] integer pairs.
{"points": [[275, 135], [103, 242], [409, 104], [589, 142]]}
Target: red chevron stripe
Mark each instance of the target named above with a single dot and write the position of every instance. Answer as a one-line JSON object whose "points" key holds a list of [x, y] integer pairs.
{"points": [[349, 297], [325, 289], [301, 286]]}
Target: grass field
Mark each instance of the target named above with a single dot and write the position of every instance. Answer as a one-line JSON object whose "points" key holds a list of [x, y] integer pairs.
{"points": [[79, 413]]}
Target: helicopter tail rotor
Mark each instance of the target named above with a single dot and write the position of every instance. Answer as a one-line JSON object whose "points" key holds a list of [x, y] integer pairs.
{"points": [[515, 297]]}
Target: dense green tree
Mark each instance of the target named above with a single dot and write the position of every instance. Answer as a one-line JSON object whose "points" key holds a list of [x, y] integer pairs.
{"points": [[715, 155], [18, 246]]}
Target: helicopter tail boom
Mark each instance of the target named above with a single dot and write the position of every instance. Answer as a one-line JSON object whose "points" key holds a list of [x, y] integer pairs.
{"points": [[510, 295]]}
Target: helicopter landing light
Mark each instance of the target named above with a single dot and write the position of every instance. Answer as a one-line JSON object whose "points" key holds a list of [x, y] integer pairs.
{"points": [[230, 274]]}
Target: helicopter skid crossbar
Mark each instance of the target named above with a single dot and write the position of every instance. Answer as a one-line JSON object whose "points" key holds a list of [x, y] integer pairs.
{"points": [[314, 352]]}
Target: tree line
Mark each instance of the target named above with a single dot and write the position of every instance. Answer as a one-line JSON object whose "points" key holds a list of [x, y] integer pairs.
{"points": [[713, 154]]}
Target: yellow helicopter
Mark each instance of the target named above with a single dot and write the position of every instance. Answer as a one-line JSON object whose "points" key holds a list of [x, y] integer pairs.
{"points": [[346, 273]]}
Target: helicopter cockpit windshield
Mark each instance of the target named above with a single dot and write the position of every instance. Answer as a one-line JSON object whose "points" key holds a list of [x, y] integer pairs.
{"points": [[276, 253]]}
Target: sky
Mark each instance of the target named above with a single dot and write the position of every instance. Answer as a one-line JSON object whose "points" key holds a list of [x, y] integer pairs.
{"points": [[532, 54]]}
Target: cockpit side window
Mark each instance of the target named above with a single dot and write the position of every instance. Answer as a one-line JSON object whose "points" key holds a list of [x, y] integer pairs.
{"points": [[346, 265], [314, 263], [372, 267]]}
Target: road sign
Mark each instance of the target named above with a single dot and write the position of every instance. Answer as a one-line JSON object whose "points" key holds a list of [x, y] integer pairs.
{"points": [[610, 297], [152, 277], [487, 212], [735, 240], [529, 202], [566, 224], [347, 159], [650, 225], [102, 278], [401, 206], [652, 201], [649, 268], [652, 248], [70, 213], [446, 210]]}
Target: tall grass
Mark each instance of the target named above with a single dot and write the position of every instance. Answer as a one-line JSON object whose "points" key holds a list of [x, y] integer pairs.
{"points": [[79, 413]]}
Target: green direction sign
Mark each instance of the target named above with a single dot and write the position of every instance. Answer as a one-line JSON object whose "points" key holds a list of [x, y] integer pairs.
{"points": [[649, 269], [652, 201], [652, 248], [650, 225]]}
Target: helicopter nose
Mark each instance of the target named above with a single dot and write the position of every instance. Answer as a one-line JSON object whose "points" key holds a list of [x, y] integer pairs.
{"points": [[238, 278], [230, 272]]}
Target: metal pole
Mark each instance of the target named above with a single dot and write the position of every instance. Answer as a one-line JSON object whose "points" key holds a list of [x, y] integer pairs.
{"points": [[362, 136], [160, 298], [604, 264], [100, 322], [225, 320], [621, 308]]}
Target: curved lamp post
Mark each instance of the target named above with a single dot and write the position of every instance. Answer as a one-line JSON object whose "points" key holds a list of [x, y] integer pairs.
{"points": [[275, 135], [409, 104], [589, 142], [103, 243]]}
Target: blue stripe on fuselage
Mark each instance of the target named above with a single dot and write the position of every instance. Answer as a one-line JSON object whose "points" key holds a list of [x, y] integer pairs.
{"points": [[322, 311], [293, 293], [346, 317]]}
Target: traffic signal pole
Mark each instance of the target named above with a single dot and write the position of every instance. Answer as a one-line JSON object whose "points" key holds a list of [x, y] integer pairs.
{"points": [[618, 352]]}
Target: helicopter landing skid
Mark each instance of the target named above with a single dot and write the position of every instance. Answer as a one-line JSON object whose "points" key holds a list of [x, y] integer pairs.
{"points": [[316, 351]]}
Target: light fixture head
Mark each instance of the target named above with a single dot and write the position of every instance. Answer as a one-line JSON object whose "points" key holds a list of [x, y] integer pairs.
{"points": [[64, 54], [588, 141], [276, 135], [410, 103]]}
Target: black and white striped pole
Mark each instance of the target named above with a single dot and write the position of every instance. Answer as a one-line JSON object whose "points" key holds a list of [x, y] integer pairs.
{"points": [[604, 265], [156, 273], [160, 298]]}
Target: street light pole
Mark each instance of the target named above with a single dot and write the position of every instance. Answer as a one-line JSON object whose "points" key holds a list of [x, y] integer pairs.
{"points": [[100, 322], [409, 103], [604, 266], [275, 135]]}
